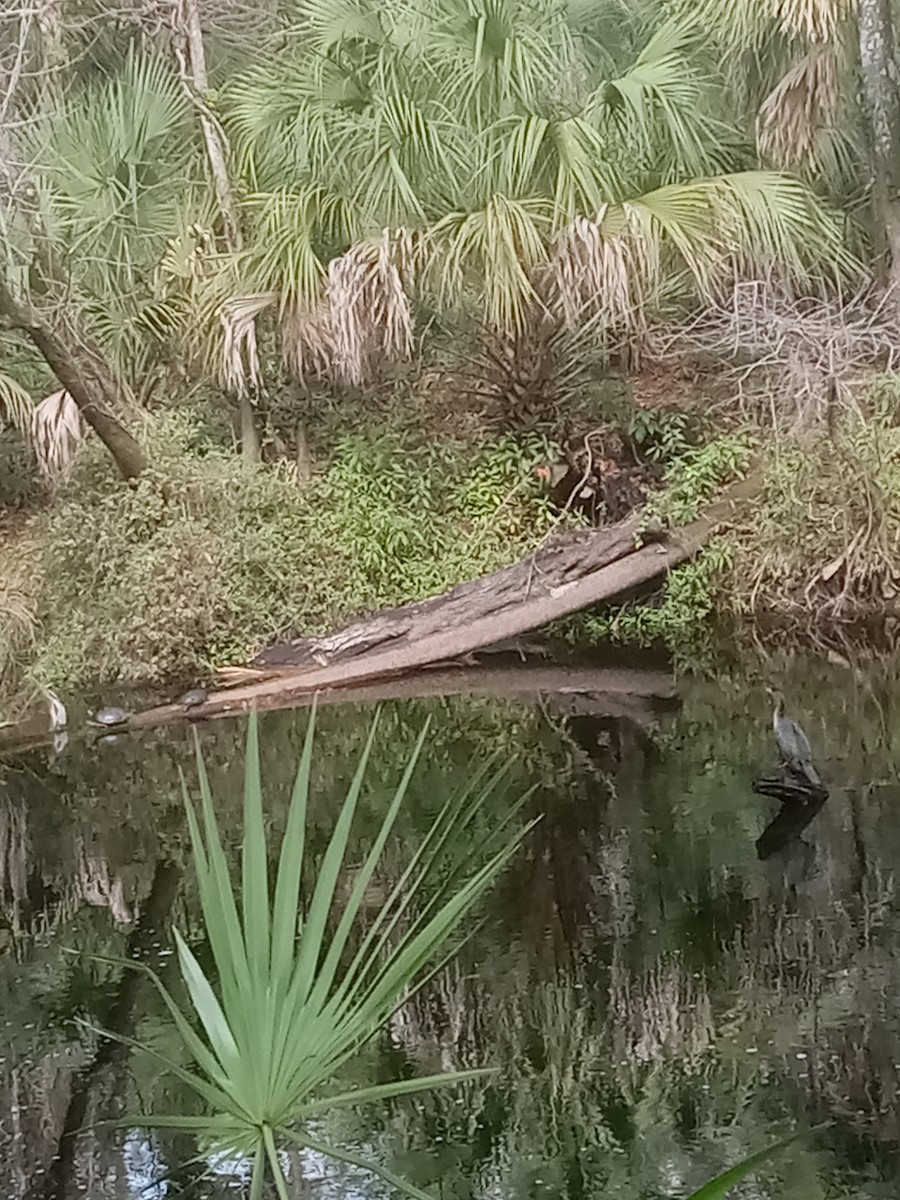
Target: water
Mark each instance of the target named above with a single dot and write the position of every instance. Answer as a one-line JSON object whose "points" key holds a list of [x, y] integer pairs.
{"points": [[659, 1001]]}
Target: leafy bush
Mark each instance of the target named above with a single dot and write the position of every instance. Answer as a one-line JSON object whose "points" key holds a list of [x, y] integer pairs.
{"points": [[201, 560]]}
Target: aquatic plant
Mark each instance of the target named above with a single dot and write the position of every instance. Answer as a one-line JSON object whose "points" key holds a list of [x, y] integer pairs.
{"points": [[298, 991], [718, 1188]]}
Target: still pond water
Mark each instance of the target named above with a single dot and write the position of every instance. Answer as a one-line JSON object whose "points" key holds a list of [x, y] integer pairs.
{"points": [[661, 994]]}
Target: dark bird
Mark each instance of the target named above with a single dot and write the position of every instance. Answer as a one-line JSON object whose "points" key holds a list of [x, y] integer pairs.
{"points": [[793, 742]]}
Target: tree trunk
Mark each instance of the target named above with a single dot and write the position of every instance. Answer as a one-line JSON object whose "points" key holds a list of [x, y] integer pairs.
{"points": [[89, 384], [879, 75], [192, 61]]}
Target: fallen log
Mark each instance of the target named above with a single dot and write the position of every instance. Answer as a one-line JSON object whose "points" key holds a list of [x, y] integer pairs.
{"points": [[630, 692], [573, 573]]}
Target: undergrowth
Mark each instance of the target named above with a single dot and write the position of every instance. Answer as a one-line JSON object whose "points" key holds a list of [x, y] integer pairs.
{"points": [[824, 542], [201, 561]]}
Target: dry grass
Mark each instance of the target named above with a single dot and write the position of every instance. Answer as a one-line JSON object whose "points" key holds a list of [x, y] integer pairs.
{"points": [[824, 543], [19, 586]]}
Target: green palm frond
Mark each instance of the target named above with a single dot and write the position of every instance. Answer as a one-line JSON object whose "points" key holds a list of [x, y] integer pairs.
{"points": [[492, 253], [298, 990], [695, 237], [722, 1185], [284, 226], [660, 103]]}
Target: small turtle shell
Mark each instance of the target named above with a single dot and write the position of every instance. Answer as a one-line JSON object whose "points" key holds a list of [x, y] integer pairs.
{"points": [[110, 717]]}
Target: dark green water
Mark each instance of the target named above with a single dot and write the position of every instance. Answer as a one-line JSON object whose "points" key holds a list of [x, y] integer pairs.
{"points": [[660, 1002]]}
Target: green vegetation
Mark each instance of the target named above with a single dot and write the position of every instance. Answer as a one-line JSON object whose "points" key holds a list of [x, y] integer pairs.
{"points": [[210, 238], [299, 990], [200, 561], [824, 543]]}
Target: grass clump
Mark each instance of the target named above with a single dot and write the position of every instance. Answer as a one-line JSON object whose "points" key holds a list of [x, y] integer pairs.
{"points": [[200, 560], [825, 538]]}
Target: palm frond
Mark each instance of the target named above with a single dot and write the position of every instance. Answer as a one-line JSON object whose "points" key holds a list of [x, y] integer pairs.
{"points": [[754, 224], [241, 369], [291, 1002], [57, 431], [15, 403], [800, 109], [491, 254], [368, 309], [722, 1185], [660, 101], [818, 21]]}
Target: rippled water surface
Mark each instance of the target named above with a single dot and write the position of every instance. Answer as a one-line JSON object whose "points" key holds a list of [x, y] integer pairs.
{"points": [[661, 992]]}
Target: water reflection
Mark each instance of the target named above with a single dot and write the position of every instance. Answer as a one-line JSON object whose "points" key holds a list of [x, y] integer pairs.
{"points": [[675, 971]]}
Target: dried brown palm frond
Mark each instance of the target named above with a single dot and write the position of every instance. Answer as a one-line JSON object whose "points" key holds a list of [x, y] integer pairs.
{"points": [[56, 431], [368, 310], [307, 347], [599, 269], [240, 360], [15, 403], [815, 20], [799, 108]]}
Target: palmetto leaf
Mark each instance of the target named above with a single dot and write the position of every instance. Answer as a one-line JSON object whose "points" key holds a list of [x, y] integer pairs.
{"points": [[720, 1187], [57, 431], [660, 98], [283, 1012]]}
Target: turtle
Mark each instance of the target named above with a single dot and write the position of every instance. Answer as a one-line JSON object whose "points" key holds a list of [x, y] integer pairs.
{"points": [[110, 718], [193, 699]]}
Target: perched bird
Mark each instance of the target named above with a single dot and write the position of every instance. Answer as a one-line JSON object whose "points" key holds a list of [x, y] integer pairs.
{"points": [[59, 718], [793, 742]]}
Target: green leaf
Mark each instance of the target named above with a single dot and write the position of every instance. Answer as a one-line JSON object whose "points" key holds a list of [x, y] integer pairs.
{"points": [[719, 1187]]}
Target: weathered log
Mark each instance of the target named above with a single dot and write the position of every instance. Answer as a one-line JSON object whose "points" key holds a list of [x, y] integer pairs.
{"points": [[611, 691], [615, 692], [569, 573], [566, 559], [558, 580]]}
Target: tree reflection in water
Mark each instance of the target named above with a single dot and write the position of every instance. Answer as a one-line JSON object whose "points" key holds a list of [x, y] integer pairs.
{"points": [[674, 973]]}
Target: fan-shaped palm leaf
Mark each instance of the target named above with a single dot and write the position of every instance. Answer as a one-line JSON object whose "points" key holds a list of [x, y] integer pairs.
{"points": [[291, 1002], [493, 254], [660, 101], [111, 157], [57, 431]]}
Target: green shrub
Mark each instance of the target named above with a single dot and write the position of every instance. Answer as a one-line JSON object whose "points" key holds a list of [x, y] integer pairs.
{"points": [[201, 560]]}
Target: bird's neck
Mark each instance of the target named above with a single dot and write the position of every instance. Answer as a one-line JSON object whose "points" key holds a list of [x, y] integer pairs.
{"points": [[779, 708]]}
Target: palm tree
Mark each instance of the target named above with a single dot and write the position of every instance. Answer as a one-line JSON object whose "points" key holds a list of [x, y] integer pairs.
{"points": [[819, 79], [102, 175], [498, 156]]}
